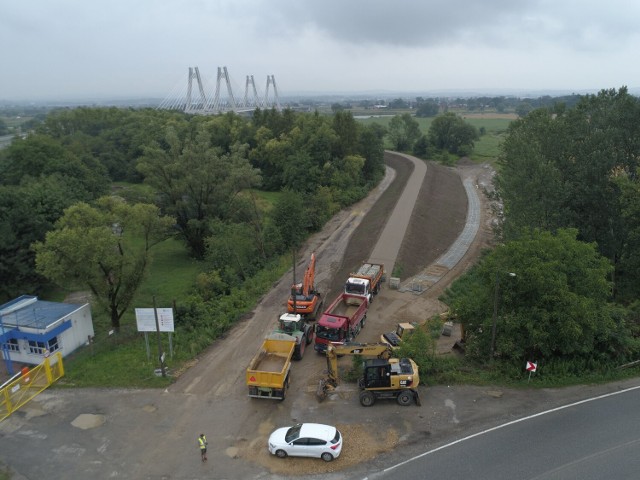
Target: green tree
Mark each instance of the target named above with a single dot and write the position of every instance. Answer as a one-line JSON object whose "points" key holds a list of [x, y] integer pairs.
{"points": [[39, 156], [398, 103], [197, 182], [530, 182], [105, 248], [291, 219], [27, 212], [347, 130], [419, 347], [371, 147], [555, 307], [422, 148], [428, 109], [523, 109], [450, 132], [557, 169], [629, 262], [403, 131]]}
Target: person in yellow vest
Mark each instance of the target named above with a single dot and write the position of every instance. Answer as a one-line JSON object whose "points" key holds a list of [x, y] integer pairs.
{"points": [[202, 441]]}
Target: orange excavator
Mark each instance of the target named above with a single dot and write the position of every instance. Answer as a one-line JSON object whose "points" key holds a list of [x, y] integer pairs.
{"points": [[305, 299]]}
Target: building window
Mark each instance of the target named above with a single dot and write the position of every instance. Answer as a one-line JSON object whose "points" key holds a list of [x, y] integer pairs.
{"points": [[12, 345], [37, 347], [53, 344]]}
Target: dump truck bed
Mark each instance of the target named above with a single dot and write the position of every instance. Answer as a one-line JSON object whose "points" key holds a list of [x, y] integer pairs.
{"points": [[270, 366]]}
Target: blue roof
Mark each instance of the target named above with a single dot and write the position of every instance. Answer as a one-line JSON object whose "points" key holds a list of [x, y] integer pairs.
{"points": [[28, 311]]}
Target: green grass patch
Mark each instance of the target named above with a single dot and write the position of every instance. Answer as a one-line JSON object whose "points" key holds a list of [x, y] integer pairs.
{"points": [[266, 200], [171, 275], [123, 363], [457, 370], [121, 360], [487, 147]]}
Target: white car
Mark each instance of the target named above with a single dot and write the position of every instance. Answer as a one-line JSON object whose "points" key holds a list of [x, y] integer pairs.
{"points": [[306, 440]]}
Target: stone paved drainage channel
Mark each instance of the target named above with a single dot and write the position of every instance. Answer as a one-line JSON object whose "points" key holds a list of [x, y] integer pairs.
{"points": [[432, 275]]}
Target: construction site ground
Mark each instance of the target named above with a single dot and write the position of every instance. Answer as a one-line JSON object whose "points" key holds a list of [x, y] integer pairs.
{"points": [[152, 434]]}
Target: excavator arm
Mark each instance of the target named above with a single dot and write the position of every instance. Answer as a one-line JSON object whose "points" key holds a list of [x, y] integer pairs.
{"points": [[380, 350], [309, 276]]}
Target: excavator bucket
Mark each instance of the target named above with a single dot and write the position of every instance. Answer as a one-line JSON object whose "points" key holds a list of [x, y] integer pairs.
{"points": [[321, 391], [416, 397]]}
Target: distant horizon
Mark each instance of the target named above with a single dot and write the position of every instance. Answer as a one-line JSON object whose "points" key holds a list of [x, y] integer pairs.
{"points": [[322, 95], [79, 51]]}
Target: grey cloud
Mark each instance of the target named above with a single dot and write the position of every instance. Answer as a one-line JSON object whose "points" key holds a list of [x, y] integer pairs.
{"points": [[577, 24], [399, 23]]}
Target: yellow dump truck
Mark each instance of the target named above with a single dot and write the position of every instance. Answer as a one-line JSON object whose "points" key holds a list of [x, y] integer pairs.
{"points": [[268, 372]]}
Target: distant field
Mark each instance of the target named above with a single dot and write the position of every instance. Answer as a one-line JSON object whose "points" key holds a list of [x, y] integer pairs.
{"points": [[487, 148]]}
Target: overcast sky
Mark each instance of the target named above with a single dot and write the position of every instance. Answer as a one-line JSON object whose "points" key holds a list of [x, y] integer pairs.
{"points": [[67, 49]]}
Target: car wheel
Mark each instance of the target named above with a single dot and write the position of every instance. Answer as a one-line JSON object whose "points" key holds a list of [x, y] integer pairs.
{"points": [[405, 398], [362, 322], [281, 454], [327, 457], [367, 398]]}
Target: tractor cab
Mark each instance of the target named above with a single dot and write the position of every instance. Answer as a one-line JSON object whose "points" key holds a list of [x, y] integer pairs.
{"points": [[289, 322]]}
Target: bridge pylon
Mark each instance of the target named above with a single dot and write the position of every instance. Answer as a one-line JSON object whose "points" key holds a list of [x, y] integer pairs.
{"points": [[190, 106], [197, 99]]}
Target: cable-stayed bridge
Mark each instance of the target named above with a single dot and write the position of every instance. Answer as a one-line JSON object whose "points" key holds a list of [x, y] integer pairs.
{"points": [[197, 97]]}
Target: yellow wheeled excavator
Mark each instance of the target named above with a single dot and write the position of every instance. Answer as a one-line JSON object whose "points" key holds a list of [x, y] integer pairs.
{"points": [[383, 376]]}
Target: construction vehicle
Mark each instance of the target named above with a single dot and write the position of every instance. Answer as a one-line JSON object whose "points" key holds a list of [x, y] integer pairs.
{"points": [[341, 321], [305, 299], [268, 373], [395, 338], [296, 326], [366, 281], [383, 376]]}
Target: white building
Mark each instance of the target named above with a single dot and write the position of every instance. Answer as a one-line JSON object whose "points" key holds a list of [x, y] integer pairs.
{"points": [[31, 329]]}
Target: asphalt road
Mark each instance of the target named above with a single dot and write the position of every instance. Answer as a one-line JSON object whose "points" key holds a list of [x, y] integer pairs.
{"points": [[589, 440]]}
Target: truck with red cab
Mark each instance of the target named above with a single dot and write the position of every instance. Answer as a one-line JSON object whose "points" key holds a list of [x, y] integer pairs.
{"points": [[341, 321]]}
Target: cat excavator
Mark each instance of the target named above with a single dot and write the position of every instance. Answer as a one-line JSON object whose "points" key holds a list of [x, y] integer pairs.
{"points": [[383, 376], [305, 299]]}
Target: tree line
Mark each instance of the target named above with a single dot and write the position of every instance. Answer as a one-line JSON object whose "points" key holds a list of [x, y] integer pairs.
{"points": [[562, 286], [64, 219]]}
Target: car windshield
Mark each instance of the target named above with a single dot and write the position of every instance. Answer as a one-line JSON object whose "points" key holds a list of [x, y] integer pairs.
{"points": [[336, 439], [292, 433]]}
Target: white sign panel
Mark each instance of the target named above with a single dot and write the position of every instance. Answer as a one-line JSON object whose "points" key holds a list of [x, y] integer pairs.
{"points": [[146, 320]]}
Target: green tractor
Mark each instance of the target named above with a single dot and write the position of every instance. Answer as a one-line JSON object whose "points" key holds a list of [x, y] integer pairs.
{"points": [[296, 326]]}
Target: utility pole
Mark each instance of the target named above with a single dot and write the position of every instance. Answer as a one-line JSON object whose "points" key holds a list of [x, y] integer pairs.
{"points": [[160, 352], [495, 316], [294, 289], [496, 296]]}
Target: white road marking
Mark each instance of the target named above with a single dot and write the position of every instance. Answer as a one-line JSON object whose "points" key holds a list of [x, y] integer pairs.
{"points": [[513, 422]]}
